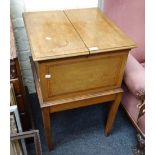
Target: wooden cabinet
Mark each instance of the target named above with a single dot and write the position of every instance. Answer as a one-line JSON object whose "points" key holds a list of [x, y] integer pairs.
{"points": [[79, 58], [16, 80]]}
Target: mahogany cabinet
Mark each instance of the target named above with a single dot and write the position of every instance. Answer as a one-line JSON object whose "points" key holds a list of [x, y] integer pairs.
{"points": [[16, 80]]}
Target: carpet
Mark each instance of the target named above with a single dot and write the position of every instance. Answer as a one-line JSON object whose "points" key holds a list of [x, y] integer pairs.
{"points": [[80, 131]]}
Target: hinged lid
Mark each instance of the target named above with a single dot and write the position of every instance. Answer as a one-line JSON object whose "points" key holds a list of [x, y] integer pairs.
{"points": [[51, 36], [59, 34], [97, 31]]}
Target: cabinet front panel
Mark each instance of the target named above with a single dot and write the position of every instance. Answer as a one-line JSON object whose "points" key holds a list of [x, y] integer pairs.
{"points": [[80, 75]]}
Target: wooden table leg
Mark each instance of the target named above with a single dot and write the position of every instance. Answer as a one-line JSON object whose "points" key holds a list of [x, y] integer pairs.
{"points": [[112, 114], [47, 127]]}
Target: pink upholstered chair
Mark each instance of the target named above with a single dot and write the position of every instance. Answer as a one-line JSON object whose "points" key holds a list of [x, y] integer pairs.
{"points": [[129, 15]]}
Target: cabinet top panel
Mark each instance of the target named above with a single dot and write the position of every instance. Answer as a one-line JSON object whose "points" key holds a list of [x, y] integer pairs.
{"points": [[52, 36], [97, 31], [59, 34]]}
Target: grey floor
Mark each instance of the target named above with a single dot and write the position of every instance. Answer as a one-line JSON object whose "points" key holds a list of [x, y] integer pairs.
{"points": [[80, 131]]}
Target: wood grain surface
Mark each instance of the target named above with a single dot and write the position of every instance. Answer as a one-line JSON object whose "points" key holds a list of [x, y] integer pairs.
{"points": [[51, 36], [97, 31]]}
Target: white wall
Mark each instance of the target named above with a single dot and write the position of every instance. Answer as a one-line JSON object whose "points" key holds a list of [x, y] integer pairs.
{"points": [[100, 4], [39, 5]]}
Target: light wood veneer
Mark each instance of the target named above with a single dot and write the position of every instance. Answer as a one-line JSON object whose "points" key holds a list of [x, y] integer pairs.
{"points": [[78, 59]]}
